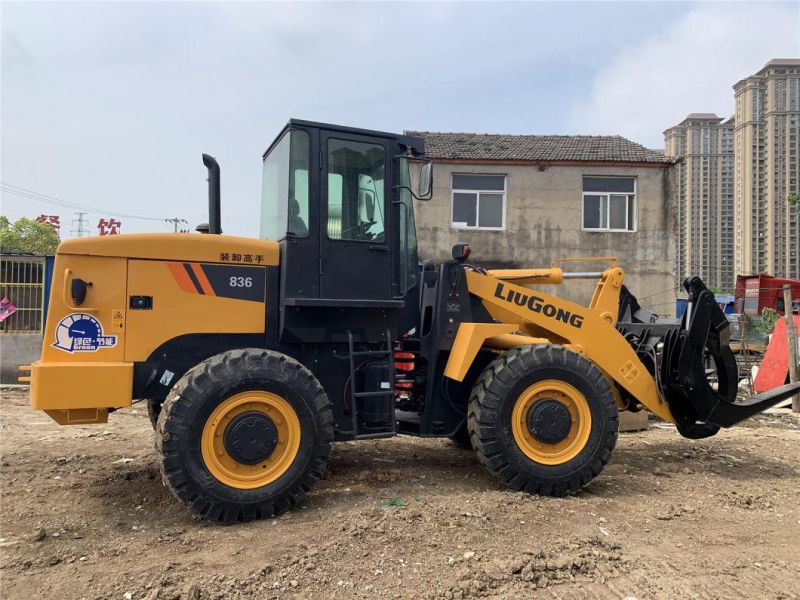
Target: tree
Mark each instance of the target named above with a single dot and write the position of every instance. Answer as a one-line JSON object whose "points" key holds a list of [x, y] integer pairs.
{"points": [[26, 235], [718, 291], [769, 317], [794, 201]]}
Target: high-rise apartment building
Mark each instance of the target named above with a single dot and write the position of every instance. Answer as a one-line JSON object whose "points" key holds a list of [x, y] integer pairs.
{"points": [[767, 151], [704, 144]]}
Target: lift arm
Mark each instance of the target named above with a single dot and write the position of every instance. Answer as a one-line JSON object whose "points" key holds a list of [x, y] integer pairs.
{"points": [[588, 331]]}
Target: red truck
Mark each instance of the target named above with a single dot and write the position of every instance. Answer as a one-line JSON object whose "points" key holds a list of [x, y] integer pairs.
{"points": [[754, 293]]}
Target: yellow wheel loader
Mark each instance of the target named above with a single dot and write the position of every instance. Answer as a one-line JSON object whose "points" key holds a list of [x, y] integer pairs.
{"points": [[254, 355]]}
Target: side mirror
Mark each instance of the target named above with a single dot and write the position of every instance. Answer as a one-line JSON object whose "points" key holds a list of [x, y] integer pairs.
{"points": [[425, 182], [461, 252]]}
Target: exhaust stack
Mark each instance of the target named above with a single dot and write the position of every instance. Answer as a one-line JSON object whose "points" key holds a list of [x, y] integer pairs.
{"points": [[214, 210]]}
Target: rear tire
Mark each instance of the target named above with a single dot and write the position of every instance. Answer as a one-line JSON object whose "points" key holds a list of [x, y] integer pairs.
{"points": [[244, 435], [542, 419]]}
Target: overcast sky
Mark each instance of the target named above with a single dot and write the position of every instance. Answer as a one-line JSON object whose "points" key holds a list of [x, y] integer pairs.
{"points": [[111, 104]]}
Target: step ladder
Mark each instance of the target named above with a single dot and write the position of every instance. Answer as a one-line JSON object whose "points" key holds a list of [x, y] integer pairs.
{"points": [[387, 429]]}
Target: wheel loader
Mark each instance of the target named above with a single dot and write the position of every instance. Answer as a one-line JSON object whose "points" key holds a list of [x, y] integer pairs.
{"points": [[254, 355]]}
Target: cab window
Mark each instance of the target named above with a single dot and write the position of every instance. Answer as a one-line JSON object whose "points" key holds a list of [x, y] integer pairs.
{"points": [[284, 192], [355, 191]]}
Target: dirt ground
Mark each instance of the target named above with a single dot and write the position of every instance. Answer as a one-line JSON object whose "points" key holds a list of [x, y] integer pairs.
{"points": [[84, 515]]}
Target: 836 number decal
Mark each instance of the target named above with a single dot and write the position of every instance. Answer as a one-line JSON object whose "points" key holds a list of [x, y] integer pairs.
{"points": [[242, 282]]}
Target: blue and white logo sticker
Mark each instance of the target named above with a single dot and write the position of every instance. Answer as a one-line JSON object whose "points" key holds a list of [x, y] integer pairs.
{"points": [[80, 332]]}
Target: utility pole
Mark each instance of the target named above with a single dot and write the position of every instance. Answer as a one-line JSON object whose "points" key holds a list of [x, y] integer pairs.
{"points": [[178, 221], [791, 343], [78, 229], [744, 325]]}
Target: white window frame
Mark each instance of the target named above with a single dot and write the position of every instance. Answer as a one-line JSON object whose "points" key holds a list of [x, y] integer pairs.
{"points": [[608, 195], [454, 191]]}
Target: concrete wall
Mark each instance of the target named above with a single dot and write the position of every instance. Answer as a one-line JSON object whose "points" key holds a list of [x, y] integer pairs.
{"points": [[543, 222], [16, 350]]}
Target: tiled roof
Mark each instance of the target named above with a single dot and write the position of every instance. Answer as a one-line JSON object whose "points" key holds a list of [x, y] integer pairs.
{"points": [[549, 148]]}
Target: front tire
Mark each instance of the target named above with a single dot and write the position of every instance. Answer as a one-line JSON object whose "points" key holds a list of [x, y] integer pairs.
{"points": [[542, 419], [461, 438], [244, 435]]}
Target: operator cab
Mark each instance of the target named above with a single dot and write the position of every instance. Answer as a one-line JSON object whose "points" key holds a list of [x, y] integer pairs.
{"points": [[339, 202]]}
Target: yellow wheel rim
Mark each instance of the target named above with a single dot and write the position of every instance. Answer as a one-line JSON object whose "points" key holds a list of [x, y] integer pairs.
{"points": [[224, 467], [580, 427]]}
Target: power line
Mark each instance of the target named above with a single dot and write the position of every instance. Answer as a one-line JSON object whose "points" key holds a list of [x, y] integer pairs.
{"points": [[44, 198], [33, 195]]}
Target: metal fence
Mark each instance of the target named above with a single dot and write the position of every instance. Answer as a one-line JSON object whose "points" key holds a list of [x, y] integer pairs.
{"points": [[23, 283]]}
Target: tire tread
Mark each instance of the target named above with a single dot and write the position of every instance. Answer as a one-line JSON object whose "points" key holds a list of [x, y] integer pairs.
{"points": [[491, 391], [172, 427]]}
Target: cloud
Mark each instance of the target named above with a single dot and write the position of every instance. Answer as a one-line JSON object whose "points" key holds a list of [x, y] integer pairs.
{"points": [[111, 103], [689, 67]]}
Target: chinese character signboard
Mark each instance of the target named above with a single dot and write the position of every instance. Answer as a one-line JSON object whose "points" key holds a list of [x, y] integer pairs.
{"points": [[109, 226], [53, 220]]}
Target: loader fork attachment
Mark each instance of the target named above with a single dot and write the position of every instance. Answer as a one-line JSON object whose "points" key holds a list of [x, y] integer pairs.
{"points": [[702, 342]]}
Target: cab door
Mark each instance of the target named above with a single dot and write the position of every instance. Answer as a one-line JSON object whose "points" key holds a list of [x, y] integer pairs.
{"points": [[355, 224]]}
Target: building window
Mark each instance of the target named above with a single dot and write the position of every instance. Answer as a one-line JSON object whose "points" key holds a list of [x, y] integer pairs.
{"points": [[609, 203], [478, 202]]}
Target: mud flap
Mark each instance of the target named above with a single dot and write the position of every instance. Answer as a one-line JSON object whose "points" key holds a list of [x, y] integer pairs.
{"points": [[700, 409]]}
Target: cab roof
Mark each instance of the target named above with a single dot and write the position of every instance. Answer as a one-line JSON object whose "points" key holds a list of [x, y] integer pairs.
{"points": [[417, 144]]}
